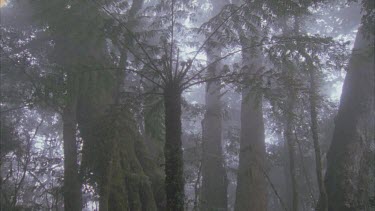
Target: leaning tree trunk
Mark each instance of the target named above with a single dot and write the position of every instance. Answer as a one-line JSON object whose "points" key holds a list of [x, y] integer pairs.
{"points": [[174, 181], [251, 192], [72, 183], [214, 178], [348, 157]]}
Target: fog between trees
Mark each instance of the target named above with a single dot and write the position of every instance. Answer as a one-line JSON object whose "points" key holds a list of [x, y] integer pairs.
{"points": [[187, 105]]}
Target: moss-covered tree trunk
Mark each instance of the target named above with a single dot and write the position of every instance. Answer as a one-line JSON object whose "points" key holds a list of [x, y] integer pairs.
{"points": [[174, 181], [114, 155], [72, 182], [347, 176], [118, 160]]}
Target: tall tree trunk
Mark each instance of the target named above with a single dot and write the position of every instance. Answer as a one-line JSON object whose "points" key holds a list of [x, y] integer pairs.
{"points": [[72, 182], [174, 181], [197, 189], [348, 157], [287, 191], [313, 98], [113, 150], [105, 180], [251, 192], [105, 188], [214, 178], [290, 143]]}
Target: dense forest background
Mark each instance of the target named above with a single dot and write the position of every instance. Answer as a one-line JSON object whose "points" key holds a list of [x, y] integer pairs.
{"points": [[203, 105]]}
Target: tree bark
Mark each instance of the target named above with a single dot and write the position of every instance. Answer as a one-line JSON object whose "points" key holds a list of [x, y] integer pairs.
{"points": [[313, 98], [290, 142], [251, 192], [214, 178], [72, 182], [104, 190], [348, 158], [113, 152], [174, 181]]}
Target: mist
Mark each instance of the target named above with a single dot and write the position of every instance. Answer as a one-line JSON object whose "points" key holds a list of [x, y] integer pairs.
{"points": [[173, 105]]}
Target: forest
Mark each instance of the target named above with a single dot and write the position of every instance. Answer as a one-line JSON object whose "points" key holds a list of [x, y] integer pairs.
{"points": [[196, 105]]}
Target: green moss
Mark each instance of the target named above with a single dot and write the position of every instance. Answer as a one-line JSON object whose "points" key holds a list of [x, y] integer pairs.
{"points": [[111, 134]]}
